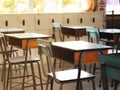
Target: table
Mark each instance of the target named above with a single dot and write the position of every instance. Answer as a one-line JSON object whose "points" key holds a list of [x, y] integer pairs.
{"points": [[12, 30], [69, 50], [110, 34], [20, 39], [76, 31]]}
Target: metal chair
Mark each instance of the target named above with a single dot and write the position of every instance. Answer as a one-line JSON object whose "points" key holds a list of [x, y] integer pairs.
{"points": [[110, 68], [24, 61], [12, 52], [94, 34], [117, 48], [61, 77], [57, 31]]}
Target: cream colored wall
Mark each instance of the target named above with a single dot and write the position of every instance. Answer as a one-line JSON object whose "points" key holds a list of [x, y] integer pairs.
{"points": [[41, 22]]}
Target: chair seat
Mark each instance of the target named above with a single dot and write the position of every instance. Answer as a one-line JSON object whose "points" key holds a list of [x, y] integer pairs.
{"points": [[21, 59], [71, 75], [107, 41], [115, 54]]}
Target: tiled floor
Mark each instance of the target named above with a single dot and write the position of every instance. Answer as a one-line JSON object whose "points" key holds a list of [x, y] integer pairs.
{"points": [[69, 86]]}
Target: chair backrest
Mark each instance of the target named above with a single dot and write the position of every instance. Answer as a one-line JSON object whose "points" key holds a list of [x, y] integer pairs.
{"points": [[110, 66], [46, 43], [57, 29], [45, 52], [93, 33], [3, 48]]}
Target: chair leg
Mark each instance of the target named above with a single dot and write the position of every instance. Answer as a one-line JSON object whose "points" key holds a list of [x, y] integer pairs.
{"points": [[33, 76], [8, 75], [94, 68], [62, 65], [47, 83], [51, 86], [3, 69], [112, 83], [61, 86], [104, 83], [15, 68], [54, 64], [19, 70], [27, 71], [23, 81], [93, 83], [79, 85], [39, 71], [85, 67], [3, 78], [90, 68], [100, 82], [116, 85]]}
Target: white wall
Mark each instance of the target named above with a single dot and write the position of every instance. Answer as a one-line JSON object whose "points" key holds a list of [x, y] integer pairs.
{"points": [[41, 22]]}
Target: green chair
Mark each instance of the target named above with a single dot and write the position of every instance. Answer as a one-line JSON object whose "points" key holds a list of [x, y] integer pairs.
{"points": [[117, 53], [110, 68], [117, 47], [60, 77], [57, 30], [93, 33]]}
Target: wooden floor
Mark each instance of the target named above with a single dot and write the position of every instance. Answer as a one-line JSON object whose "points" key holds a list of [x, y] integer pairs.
{"points": [[69, 86]]}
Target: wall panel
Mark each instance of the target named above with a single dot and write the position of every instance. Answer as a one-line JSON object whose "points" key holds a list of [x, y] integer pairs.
{"points": [[42, 22], [8, 20], [26, 21]]}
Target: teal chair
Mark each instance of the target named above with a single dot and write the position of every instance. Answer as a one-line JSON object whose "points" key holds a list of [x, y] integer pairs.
{"points": [[110, 68], [61, 76], [93, 34], [57, 30], [117, 48]]}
